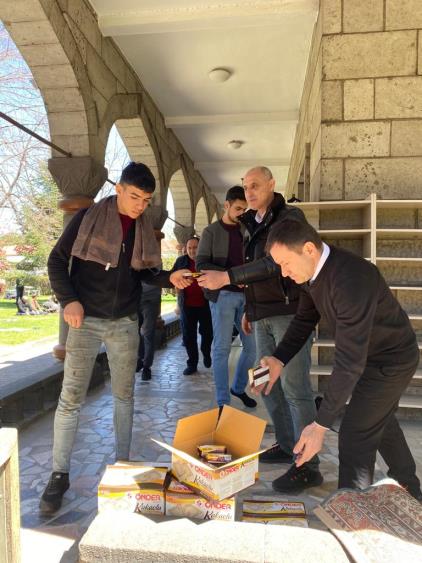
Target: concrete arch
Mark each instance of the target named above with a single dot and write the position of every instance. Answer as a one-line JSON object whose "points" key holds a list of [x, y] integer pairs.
{"points": [[140, 149], [201, 216], [49, 49], [181, 198]]}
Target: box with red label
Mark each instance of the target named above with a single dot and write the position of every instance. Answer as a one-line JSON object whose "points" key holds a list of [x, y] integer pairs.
{"points": [[199, 508], [133, 487], [184, 503], [240, 432]]}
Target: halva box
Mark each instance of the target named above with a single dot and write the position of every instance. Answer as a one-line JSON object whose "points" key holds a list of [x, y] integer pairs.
{"points": [[242, 434], [133, 487], [269, 511], [199, 508], [181, 501]]}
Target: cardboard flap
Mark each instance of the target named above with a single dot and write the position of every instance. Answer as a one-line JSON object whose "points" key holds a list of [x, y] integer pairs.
{"points": [[183, 455], [240, 431], [195, 425]]}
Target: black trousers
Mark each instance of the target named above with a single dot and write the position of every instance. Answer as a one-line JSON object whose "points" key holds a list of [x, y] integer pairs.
{"points": [[191, 317], [370, 425], [149, 311]]}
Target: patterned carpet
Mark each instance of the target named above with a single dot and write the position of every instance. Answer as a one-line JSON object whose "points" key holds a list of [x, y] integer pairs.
{"points": [[382, 524]]}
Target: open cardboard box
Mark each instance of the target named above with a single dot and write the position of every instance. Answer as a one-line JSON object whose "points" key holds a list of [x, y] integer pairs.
{"points": [[242, 434]]}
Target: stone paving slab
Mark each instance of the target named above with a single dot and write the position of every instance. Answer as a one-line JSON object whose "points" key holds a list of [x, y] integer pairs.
{"points": [[158, 405]]}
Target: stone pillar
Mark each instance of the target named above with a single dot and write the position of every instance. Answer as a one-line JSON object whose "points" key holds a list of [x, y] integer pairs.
{"points": [[361, 108], [183, 234], [79, 179]]}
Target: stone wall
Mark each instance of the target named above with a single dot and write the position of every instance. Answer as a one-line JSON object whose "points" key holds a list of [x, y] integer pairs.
{"points": [[87, 86], [361, 109]]}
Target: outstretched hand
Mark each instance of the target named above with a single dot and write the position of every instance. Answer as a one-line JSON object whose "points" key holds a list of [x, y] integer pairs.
{"points": [[179, 280], [309, 443], [213, 279]]}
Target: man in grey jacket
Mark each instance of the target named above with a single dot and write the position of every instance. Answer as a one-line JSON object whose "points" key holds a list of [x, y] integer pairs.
{"points": [[220, 248]]}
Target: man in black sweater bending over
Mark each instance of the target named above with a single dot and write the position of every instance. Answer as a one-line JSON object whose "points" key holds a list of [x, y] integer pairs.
{"points": [[376, 354]]}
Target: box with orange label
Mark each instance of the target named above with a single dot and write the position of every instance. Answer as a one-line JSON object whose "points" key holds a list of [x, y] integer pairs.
{"points": [[240, 432], [133, 487]]}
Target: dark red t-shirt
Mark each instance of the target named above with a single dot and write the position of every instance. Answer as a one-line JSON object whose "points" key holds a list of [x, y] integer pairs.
{"points": [[193, 295], [126, 224]]}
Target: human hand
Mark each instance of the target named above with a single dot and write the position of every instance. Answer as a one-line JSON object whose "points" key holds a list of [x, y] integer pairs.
{"points": [[246, 325], [275, 367], [310, 443], [73, 314], [179, 280], [213, 279]]}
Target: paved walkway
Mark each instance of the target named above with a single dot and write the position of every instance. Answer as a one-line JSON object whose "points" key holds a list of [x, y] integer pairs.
{"points": [[159, 404]]}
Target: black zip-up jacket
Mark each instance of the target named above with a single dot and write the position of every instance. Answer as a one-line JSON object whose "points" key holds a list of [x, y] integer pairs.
{"points": [[267, 293], [106, 294], [369, 326]]}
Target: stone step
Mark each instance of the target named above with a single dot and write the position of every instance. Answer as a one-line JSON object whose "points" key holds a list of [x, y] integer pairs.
{"points": [[326, 370], [130, 538], [329, 343]]}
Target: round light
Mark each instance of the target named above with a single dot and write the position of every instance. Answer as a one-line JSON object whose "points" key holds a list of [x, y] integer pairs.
{"points": [[234, 145], [219, 74]]}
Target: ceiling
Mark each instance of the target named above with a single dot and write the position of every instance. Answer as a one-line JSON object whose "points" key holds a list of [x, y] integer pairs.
{"points": [[174, 44]]}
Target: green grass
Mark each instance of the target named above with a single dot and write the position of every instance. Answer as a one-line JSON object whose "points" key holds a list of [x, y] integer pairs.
{"points": [[18, 329]]}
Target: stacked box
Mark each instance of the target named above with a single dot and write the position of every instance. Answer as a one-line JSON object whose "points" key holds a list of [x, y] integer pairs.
{"points": [[133, 487], [183, 502]]}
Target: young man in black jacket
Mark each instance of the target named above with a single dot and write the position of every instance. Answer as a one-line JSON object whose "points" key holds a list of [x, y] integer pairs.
{"points": [[376, 355], [271, 302], [110, 248]]}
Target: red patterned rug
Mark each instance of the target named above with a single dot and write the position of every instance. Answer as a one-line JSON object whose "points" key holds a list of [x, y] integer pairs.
{"points": [[382, 524]]}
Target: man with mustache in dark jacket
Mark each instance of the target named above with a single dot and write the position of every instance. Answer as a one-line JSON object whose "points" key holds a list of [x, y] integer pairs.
{"points": [[271, 302]]}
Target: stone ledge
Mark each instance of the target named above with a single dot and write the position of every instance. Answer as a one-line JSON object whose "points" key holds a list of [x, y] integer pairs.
{"points": [[129, 538], [25, 399]]}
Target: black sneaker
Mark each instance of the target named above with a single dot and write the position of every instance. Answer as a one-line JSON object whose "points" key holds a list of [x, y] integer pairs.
{"points": [[207, 361], [52, 496], [146, 374], [189, 371], [275, 455], [246, 400], [296, 479]]}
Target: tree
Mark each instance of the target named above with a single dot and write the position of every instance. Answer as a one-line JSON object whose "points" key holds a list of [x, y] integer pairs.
{"points": [[41, 223], [20, 153]]}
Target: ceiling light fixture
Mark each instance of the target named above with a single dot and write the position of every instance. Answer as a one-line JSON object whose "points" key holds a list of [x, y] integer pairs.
{"points": [[234, 145], [219, 74]]}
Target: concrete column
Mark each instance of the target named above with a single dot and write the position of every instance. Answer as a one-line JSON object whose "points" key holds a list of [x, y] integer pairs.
{"points": [[183, 234], [79, 179], [361, 108]]}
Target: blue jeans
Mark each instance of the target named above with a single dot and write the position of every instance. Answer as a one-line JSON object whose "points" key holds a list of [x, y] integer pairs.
{"points": [[121, 338], [290, 404], [226, 312]]}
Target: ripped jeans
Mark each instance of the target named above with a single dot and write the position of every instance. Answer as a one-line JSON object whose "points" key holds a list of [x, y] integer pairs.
{"points": [[121, 338]]}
